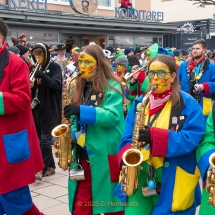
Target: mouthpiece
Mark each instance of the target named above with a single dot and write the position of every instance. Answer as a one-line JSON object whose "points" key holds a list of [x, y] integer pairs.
{"points": [[153, 87]]}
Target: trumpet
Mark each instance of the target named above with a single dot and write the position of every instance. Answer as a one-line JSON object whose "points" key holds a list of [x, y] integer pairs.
{"points": [[124, 79], [210, 183]]}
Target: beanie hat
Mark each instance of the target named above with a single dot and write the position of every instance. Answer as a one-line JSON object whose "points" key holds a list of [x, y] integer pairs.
{"points": [[209, 53], [184, 52], [122, 60], [13, 49], [22, 49], [176, 53], [127, 51], [111, 49], [21, 36], [75, 56]]}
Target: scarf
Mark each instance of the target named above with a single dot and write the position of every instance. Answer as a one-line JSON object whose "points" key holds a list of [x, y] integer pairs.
{"points": [[3, 47], [193, 64], [118, 74], [158, 101]]}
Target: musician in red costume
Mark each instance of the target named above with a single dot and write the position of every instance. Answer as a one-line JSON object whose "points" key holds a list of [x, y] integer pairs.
{"points": [[19, 148]]}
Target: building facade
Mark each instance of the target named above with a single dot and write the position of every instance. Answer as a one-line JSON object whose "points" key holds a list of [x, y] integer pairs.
{"points": [[54, 21], [192, 22]]}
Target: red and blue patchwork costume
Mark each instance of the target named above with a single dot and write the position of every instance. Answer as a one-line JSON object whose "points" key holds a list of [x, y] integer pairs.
{"points": [[20, 154]]}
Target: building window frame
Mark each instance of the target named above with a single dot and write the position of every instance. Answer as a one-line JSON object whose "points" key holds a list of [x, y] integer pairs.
{"points": [[59, 2], [112, 7]]}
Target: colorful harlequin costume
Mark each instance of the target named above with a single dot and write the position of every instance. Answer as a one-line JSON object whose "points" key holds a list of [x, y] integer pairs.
{"points": [[101, 151], [19, 148], [175, 154], [203, 152], [203, 73], [170, 138], [98, 113]]}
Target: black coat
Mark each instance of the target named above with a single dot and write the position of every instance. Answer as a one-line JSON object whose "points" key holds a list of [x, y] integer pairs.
{"points": [[47, 114]]}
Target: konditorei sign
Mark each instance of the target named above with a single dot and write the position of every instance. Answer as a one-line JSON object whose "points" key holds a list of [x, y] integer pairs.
{"points": [[126, 13], [27, 4], [86, 7]]}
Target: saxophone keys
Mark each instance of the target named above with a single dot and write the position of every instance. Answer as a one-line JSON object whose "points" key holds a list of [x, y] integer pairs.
{"points": [[124, 190], [56, 145], [57, 154], [210, 188], [124, 170], [211, 177], [124, 180]]}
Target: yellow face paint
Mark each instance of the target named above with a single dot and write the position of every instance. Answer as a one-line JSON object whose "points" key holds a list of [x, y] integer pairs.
{"points": [[120, 68], [163, 84], [86, 65], [148, 55], [39, 54]]}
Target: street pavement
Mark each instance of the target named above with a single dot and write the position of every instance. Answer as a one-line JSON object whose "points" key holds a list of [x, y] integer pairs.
{"points": [[50, 195]]}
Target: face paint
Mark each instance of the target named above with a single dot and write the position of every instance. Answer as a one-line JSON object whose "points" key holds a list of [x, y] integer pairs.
{"points": [[163, 84], [38, 54], [120, 68], [148, 55], [86, 65]]}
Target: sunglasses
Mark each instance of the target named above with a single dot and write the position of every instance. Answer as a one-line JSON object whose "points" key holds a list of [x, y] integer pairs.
{"points": [[160, 73]]}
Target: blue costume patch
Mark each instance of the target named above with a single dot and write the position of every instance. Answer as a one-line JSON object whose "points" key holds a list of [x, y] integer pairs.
{"points": [[16, 147], [16, 202]]}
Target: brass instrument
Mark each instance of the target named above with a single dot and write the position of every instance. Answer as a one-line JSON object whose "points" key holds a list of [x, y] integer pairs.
{"points": [[210, 183], [133, 158], [124, 79], [34, 71], [63, 145]]}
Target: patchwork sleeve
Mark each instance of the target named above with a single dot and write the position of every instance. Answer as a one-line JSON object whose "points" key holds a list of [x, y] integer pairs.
{"points": [[209, 87], [19, 98], [167, 143], [109, 114]]}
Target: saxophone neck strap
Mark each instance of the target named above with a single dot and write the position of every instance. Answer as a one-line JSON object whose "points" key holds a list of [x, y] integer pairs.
{"points": [[151, 122]]}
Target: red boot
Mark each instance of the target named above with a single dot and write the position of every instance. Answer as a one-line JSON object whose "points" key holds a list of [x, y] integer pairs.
{"points": [[33, 211]]}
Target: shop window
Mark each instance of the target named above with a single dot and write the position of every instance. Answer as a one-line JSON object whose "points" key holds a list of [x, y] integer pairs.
{"points": [[48, 38], [121, 42], [147, 40]]}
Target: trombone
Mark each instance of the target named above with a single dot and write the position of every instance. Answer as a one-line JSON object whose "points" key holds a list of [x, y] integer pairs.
{"points": [[33, 73], [124, 80]]}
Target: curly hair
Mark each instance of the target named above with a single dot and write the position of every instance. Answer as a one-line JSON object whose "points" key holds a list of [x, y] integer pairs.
{"points": [[3, 29]]}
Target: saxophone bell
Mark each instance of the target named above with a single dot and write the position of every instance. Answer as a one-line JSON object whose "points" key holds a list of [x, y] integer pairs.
{"points": [[210, 182], [132, 157], [212, 160]]}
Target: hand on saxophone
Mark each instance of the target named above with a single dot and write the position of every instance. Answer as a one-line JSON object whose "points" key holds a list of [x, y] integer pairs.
{"points": [[145, 136], [71, 110]]}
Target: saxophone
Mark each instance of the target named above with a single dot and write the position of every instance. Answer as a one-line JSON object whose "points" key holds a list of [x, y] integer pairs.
{"points": [[210, 183], [133, 157], [63, 145]]}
